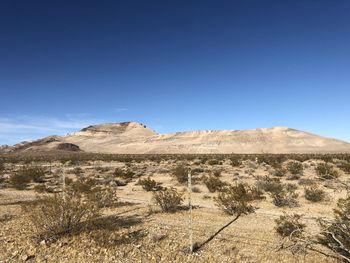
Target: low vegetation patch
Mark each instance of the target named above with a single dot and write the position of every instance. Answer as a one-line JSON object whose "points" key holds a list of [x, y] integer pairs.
{"points": [[58, 215], [326, 171], [168, 199], [214, 184], [289, 225], [235, 200], [149, 184], [314, 194]]}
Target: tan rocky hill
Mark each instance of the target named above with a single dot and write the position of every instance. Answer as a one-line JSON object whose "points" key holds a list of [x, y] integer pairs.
{"points": [[136, 138]]}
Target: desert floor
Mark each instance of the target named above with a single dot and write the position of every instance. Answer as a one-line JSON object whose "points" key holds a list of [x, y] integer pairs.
{"points": [[137, 231]]}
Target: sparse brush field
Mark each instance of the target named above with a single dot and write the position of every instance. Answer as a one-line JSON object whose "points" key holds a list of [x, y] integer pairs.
{"points": [[134, 208]]}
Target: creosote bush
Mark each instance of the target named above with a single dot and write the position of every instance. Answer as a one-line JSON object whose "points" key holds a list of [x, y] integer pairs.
{"points": [[235, 200], [58, 215], [83, 185], [335, 234], [287, 225], [282, 194], [149, 184], [314, 194], [294, 167], [181, 174], [236, 161], [124, 174], [19, 180], [103, 197], [326, 171], [168, 199], [214, 184]]}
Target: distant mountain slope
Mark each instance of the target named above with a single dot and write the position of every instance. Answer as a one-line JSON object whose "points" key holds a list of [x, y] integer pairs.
{"points": [[136, 138]]}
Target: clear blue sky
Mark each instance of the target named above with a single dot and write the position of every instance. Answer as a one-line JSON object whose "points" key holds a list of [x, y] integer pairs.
{"points": [[174, 65]]}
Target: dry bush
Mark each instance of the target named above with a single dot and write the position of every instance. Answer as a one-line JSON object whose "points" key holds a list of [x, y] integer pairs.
{"points": [[306, 181], [216, 173], [345, 167], [314, 194], [181, 174], [19, 180], [287, 225], [58, 215], [282, 194], [83, 185], [236, 161], [214, 184], [279, 172], [295, 167], [124, 174], [326, 171], [103, 197], [40, 188], [213, 162], [149, 184], [196, 189], [235, 200], [268, 184], [78, 171], [2, 167], [168, 199], [335, 234]]}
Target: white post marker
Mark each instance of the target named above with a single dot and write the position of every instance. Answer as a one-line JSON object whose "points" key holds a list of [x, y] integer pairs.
{"points": [[64, 186], [190, 209]]}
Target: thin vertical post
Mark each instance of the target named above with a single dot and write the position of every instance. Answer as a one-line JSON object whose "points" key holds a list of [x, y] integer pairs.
{"points": [[64, 186], [190, 231]]}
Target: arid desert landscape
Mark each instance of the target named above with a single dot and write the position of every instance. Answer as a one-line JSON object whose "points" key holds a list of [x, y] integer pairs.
{"points": [[70, 205]]}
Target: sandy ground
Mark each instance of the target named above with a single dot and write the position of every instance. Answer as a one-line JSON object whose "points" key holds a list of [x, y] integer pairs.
{"points": [[142, 234]]}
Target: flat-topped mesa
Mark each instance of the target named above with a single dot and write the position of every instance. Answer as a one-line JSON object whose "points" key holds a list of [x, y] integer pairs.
{"points": [[110, 129]]}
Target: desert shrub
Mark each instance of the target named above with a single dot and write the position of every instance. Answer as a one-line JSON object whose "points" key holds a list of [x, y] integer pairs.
{"points": [[256, 193], [279, 172], [83, 185], [216, 173], [326, 171], [40, 188], [78, 171], [268, 184], [125, 174], [181, 174], [58, 215], [306, 181], [314, 194], [236, 161], [196, 189], [294, 167], [235, 200], [283, 194], [213, 162], [197, 170], [19, 180], [335, 234], [287, 225], [149, 184], [168, 199], [103, 196], [214, 184], [34, 173], [2, 167], [345, 167]]}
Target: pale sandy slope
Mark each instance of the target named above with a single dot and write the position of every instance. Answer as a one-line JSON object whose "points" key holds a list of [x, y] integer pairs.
{"points": [[133, 137]]}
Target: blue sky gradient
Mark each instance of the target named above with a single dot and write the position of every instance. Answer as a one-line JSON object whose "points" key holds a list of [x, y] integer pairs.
{"points": [[174, 65]]}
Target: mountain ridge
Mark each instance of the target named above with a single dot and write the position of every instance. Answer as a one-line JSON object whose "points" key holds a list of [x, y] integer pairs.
{"points": [[135, 137]]}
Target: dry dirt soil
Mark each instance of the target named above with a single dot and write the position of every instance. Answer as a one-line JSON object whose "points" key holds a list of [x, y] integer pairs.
{"points": [[137, 231]]}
